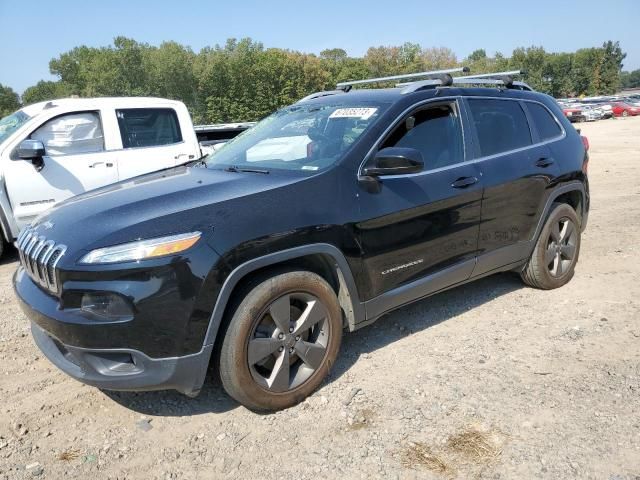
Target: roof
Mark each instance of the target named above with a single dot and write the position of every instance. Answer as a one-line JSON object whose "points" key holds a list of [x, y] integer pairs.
{"points": [[97, 102]]}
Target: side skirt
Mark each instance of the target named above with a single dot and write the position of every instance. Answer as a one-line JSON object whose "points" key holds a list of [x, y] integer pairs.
{"points": [[431, 285]]}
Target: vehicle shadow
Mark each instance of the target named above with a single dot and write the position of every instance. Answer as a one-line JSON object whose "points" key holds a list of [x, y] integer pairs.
{"points": [[169, 403], [421, 315], [388, 329]]}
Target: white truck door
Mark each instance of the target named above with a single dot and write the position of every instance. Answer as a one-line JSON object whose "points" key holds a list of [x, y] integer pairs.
{"points": [[75, 161], [151, 140]]}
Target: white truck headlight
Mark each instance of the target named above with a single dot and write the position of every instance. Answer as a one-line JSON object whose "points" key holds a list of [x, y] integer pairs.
{"points": [[142, 249]]}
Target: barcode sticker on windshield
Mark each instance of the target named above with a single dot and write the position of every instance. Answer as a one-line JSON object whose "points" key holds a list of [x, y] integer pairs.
{"points": [[362, 113]]}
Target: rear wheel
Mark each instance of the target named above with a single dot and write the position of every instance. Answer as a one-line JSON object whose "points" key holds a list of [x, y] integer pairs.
{"points": [[552, 263], [625, 113], [281, 342]]}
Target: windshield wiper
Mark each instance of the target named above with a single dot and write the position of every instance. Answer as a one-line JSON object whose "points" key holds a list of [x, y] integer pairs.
{"points": [[235, 169]]}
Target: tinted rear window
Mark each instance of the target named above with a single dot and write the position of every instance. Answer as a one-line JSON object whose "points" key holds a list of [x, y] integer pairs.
{"points": [[545, 122], [501, 125], [148, 127]]}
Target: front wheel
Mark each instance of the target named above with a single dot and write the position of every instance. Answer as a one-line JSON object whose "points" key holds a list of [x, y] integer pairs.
{"points": [[281, 342], [552, 263]]}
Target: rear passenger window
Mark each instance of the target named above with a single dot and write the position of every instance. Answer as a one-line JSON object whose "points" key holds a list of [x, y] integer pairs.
{"points": [[148, 127], [435, 132], [501, 125], [545, 123]]}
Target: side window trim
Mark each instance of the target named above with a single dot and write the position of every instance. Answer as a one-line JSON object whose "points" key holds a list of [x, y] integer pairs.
{"points": [[421, 105], [533, 128], [73, 112]]}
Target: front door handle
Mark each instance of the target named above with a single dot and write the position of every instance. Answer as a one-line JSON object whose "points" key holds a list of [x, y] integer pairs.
{"points": [[107, 164], [544, 162], [464, 182]]}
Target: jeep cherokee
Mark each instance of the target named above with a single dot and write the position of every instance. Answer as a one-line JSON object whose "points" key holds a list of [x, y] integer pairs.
{"points": [[322, 218]]}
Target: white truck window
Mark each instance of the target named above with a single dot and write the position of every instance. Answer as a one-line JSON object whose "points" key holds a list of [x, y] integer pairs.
{"points": [[71, 134], [148, 127]]}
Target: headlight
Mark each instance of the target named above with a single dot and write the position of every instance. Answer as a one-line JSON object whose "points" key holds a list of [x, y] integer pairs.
{"points": [[142, 249]]}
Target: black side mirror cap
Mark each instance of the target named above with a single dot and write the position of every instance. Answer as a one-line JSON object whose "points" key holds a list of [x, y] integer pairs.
{"points": [[395, 161], [30, 150]]}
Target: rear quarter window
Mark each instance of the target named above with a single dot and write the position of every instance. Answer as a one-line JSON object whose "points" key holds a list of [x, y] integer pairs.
{"points": [[544, 121], [501, 125]]}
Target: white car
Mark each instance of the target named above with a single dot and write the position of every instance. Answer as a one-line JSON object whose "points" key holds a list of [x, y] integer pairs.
{"points": [[592, 113], [53, 150]]}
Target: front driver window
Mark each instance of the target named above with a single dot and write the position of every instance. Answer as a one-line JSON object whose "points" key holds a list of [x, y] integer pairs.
{"points": [[71, 134], [435, 132]]}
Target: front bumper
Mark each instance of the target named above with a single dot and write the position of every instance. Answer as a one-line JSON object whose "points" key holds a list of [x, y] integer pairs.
{"points": [[145, 353], [124, 369]]}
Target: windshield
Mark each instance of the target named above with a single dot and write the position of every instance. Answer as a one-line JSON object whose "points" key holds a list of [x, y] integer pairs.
{"points": [[300, 137], [11, 123]]}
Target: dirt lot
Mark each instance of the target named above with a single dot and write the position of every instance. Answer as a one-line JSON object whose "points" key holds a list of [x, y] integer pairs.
{"points": [[491, 380]]}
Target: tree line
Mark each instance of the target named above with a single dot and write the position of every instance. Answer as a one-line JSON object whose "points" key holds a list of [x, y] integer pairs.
{"points": [[242, 80]]}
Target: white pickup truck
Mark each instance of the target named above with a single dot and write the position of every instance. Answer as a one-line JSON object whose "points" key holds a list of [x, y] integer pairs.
{"points": [[54, 150]]}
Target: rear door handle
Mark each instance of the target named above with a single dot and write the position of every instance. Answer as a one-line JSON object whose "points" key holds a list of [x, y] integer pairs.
{"points": [[107, 164], [544, 162], [464, 182]]}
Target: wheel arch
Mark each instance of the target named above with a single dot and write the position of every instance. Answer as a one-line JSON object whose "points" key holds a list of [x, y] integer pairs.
{"points": [[323, 259], [573, 194]]}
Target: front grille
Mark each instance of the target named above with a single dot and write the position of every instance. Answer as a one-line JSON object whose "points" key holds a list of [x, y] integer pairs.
{"points": [[39, 258]]}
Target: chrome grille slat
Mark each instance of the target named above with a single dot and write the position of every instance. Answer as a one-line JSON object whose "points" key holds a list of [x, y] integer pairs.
{"points": [[40, 257]]}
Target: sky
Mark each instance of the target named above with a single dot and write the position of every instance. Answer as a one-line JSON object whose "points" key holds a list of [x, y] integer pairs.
{"points": [[34, 32]]}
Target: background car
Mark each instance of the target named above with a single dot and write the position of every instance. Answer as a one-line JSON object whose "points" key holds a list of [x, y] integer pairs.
{"points": [[622, 109], [573, 113], [592, 113]]}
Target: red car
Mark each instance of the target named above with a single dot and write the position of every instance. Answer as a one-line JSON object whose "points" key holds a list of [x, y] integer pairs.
{"points": [[574, 115], [621, 109]]}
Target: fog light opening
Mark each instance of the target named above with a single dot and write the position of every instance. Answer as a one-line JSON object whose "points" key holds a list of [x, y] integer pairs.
{"points": [[106, 306]]}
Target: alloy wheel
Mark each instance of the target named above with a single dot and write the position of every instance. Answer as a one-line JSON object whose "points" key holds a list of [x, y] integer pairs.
{"points": [[561, 247], [289, 342]]}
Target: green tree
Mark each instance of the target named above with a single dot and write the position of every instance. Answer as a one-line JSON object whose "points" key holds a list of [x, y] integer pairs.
{"points": [[46, 90], [9, 101], [630, 79], [169, 73], [611, 66], [243, 80]]}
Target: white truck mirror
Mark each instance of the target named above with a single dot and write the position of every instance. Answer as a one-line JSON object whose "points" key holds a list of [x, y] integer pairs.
{"points": [[30, 150]]}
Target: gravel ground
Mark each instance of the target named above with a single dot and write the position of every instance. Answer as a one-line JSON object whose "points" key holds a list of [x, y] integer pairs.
{"points": [[490, 380]]}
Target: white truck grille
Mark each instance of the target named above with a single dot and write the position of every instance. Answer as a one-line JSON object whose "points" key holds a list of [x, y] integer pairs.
{"points": [[39, 258]]}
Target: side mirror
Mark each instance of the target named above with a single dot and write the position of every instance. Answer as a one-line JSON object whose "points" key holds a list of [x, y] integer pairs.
{"points": [[31, 150], [395, 161]]}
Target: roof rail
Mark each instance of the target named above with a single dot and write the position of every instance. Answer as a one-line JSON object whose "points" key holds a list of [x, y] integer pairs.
{"points": [[346, 86], [500, 78], [506, 77]]}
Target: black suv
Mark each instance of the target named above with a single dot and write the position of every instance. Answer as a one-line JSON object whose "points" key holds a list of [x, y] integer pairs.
{"points": [[321, 218]]}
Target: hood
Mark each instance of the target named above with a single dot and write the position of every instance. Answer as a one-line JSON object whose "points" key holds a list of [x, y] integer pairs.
{"points": [[178, 200]]}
